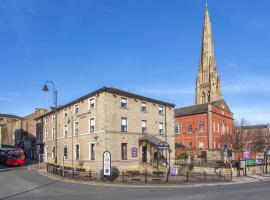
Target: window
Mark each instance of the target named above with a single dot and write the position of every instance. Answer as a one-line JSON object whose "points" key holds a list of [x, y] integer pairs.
{"points": [[177, 128], [123, 124], [189, 128], [46, 134], [46, 120], [143, 107], [53, 152], [201, 145], [218, 127], [161, 130], [201, 127], [214, 126], [76, 109], [53, 133], [77, 152], [123, 102], [65, 112], [214, 145], [76, 128], [65, 152], [124, 151], [65, 130], [189, 144], [144, 126], [53, 118], [161, 110], [91, 103], [92, 151], [92, 125]]}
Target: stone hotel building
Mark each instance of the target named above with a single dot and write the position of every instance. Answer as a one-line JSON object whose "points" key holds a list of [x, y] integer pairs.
{"points": [[130, 126]]}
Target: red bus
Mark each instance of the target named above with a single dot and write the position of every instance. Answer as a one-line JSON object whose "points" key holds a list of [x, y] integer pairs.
{"points": [[12, 156]]}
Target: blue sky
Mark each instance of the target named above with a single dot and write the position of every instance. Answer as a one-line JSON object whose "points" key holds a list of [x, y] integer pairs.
{"points": [[150, 47]]}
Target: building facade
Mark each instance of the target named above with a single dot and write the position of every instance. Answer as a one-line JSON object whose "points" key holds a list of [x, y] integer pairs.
{"points": [[8, 126], [127, 125], [204, 126], [20, 132]]}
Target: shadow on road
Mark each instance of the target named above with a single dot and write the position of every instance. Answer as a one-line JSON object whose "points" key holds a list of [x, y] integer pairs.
{"points": [[36, 188]]}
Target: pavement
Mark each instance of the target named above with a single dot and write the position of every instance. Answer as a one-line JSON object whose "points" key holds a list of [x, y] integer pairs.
{"points": [[20, 183], [41, 169]]}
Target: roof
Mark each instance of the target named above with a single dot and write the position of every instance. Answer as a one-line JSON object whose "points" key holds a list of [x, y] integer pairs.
{"points": [[113, 91], [155, 141], [260, 126], [196, 109], [10, 116]]}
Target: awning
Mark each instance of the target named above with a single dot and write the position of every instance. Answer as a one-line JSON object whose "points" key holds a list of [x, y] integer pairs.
{"points": [[156, 142]]}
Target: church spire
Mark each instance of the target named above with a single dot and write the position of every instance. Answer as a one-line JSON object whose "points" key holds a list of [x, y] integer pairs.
{"points": [[207, 50], [208, 82]]}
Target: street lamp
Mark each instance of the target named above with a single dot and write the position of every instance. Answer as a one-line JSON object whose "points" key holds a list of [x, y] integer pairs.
{"points": [[46, 89]]}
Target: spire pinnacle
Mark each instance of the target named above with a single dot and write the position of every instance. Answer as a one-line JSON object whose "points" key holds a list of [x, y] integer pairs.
{"points": [[208, 82]]}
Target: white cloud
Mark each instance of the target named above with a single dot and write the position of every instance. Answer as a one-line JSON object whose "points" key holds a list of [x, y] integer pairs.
{"points": [[248, 84]]}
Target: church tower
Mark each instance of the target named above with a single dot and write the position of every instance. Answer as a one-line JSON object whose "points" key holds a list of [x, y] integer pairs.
{"points": [[208, 87]]}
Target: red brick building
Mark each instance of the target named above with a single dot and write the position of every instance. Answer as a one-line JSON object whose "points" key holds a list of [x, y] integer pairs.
{"points": [[203, 126]]}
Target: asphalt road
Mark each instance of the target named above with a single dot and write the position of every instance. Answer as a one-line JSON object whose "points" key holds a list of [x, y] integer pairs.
{"points": [[19, 183]]}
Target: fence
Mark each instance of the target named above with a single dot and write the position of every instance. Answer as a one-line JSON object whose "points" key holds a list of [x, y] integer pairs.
{"points": [[136, 177]]}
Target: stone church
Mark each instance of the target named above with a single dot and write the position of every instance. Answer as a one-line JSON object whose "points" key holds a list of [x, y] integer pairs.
{"points": [[206, 124]]}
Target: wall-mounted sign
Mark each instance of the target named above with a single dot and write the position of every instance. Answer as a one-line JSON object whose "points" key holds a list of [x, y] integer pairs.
{"points": [[246, 155], [134, 152], [107, 163]]}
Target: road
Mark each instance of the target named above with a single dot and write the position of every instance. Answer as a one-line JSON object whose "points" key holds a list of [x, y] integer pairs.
{"points": [[19, 183]]}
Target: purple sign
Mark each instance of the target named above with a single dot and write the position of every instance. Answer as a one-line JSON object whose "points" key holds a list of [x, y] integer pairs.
{"points": [[134, 152], [246, 155], [174, 171], [260, 162]]}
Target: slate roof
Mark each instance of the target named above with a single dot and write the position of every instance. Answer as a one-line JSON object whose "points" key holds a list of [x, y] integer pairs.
{"points": [[113, 91], [261, 126], [195, 109], [9, 116]]}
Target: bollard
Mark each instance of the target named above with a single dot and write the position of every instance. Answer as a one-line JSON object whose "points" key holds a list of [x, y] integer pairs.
{"points": [[204, 175], [219, 175], [187, 176], [145, 177], [90, 175], [231, 174], [123, 177]]}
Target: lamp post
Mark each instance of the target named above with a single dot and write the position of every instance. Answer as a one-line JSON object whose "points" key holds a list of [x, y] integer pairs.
{"points": [[46, 89]]}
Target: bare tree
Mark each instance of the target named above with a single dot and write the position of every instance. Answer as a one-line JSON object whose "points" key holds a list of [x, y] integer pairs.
{"points": [[236, 139]]}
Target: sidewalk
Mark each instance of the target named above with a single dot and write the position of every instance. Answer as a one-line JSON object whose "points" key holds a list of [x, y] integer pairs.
{"points": [[236, 180]]}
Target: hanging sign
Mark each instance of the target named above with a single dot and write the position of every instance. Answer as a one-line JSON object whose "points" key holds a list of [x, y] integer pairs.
{"points": [[107, 163]]}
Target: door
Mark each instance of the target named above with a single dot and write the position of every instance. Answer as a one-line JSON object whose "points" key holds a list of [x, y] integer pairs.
{"points": [[144, 154]]}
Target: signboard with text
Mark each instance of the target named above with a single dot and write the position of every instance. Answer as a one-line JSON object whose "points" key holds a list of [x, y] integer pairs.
{"points": [[107, 163], [134, 152]]}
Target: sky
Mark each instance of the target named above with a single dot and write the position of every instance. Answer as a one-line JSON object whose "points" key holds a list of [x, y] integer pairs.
{"points": [[149, 47]]}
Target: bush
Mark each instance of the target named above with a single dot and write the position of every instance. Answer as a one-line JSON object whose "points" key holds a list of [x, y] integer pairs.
{"points": [[114, 174], [133, 172], [158, 173], [182, 156]]}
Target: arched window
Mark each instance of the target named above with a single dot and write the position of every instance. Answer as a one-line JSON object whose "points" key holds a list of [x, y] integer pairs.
{"points": [[203, 97], [208, 96]]}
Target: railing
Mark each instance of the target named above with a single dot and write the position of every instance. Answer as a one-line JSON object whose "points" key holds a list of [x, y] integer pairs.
{"points": [[136, 177]]}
